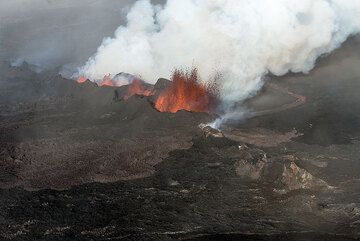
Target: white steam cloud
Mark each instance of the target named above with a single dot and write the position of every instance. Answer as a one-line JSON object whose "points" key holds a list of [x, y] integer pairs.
{"points": [[243, 40]]}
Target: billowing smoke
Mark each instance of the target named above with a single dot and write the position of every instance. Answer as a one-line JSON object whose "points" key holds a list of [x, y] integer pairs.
{"points": [[241, 40]]}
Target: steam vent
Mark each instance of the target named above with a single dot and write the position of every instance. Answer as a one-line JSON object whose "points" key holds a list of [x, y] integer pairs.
{"points": [[175, 120]]}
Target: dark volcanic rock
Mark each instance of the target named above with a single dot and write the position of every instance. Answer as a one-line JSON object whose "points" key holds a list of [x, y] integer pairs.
{"points": [[209, 131], [254, 165], [72, 133], [129, 172], [162, 84], [205, 203]]}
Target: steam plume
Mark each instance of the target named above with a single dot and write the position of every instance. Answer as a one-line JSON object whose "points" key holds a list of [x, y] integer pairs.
{"points": [[242, 40]]}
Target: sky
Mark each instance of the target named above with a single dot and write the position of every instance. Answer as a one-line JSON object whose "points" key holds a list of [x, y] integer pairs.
{"points": [[57, 32]]}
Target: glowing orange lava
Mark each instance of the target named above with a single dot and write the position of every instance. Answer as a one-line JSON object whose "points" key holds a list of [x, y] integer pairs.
{"points": [[185, 93], [138, 87], [81, 80], [106, 81]]}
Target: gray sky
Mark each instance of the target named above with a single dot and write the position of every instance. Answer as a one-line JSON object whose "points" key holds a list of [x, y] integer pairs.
{"points": [[56, 32]]}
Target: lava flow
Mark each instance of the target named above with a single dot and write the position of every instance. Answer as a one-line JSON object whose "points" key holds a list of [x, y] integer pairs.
{"points": [[138, 87], [81, 80], [185, 93], [106, 81]]}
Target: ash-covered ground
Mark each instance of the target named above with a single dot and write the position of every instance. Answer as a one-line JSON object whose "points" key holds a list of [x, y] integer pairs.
{"points": [[80, 163]]}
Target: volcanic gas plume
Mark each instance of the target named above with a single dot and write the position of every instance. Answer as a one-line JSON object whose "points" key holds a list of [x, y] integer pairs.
{"points": [[186, 92], [241, 40]]}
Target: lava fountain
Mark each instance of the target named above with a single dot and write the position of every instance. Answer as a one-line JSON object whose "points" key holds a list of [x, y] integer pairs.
{"points": [[138, 87], [81, 80], [186, 92], [106, 81]]}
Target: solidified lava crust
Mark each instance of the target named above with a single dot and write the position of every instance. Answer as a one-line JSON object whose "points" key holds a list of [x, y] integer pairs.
{"points": [[80, 163]]}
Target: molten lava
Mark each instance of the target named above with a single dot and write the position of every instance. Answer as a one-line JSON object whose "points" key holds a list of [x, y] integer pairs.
{"points": [[106, 81], [185, 93], [138, 87], [81, 80]]}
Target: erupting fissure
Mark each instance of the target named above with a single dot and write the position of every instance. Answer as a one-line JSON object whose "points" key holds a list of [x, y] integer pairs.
{"points": [[81, 80], [136, 86], [106, 81], [186, 92]]}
